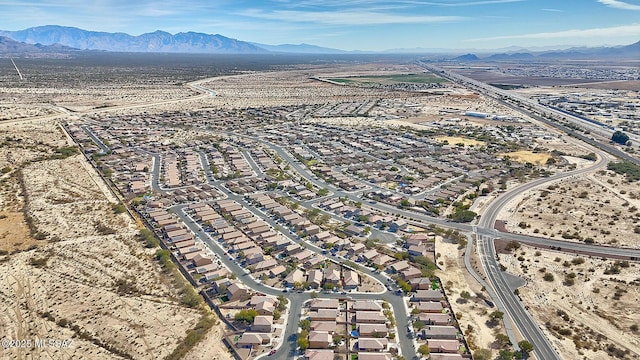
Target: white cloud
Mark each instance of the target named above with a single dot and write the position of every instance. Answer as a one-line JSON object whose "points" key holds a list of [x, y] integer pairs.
{"points": [[619, 4], [552, 10], [610, 32], [347, 17]]}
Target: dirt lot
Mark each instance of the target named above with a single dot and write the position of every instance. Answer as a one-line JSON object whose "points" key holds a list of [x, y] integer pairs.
{"points": [[525, 156], [14, 232], [453, 140], [601, 208], [474, 312], [588, 307]]}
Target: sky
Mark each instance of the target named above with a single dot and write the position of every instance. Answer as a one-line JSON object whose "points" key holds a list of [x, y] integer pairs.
{"points": [[369, 25]]}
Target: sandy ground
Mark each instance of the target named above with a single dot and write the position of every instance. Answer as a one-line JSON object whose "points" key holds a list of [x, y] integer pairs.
{"points": [[600, 208], [14, 232], [525, 156], [597, 321], [453, 140], [211, 347], [456, 279]]}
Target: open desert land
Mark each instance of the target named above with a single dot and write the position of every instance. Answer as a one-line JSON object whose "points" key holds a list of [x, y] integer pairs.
{"points": [[467, 298], [588, 307], [76, 269], [601, 208], [526, 156]]}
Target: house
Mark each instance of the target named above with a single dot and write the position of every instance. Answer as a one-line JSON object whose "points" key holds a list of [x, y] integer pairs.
{"points": [[319, 339], [351, 280], [399, 266], [277, 271], [254, 258], [324, 315], [421, 283], [373, 330], [372, 344], [314, 354], [302, 256], [435, 318], [418, 250], [440, 332], [369, 255], [411, 273], [370, 317], [428, 295], [237, 291], [353, 230], [295, 276], [251, 339], [314, 279], [322, 236], [382, 260], [312, 261], [312, 229], [266, 265], [262, 323], [293, 249], [206, 268], [316, 304], [429, 307], [365, 305], [443, 346], [356, 249], [398, 224], [332, 276], [328, 326], [264, 305]]}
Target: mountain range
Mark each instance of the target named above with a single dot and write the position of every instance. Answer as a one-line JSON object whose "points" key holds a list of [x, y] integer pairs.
{"points": [[157, 41], [10, 46], [54, 38]]}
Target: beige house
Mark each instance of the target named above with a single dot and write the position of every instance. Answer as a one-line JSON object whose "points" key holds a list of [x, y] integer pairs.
{"points": [[262, 323], [319, 339], [237, 291]]}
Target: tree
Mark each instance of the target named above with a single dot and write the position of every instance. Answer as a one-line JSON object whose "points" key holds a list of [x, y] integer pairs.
{"points": [[405, 286], [246, 315], [497, 315], [525, 346], [463, 216], [303, 340], [620, 138], [282, 303], [503, 340], [424, 350], [465, 295], [482, 354], [505, 354], [305, 324], [419, 325]]}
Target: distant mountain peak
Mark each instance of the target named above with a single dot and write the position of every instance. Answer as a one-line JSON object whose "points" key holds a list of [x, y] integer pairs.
{"points": [[466, 57]]}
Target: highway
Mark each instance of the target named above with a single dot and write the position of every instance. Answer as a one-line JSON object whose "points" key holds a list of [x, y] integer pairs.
{"points": [[538, 112]]}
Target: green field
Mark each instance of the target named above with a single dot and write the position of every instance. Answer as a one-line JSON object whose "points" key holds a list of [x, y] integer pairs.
{"points": [[391, 79]]}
